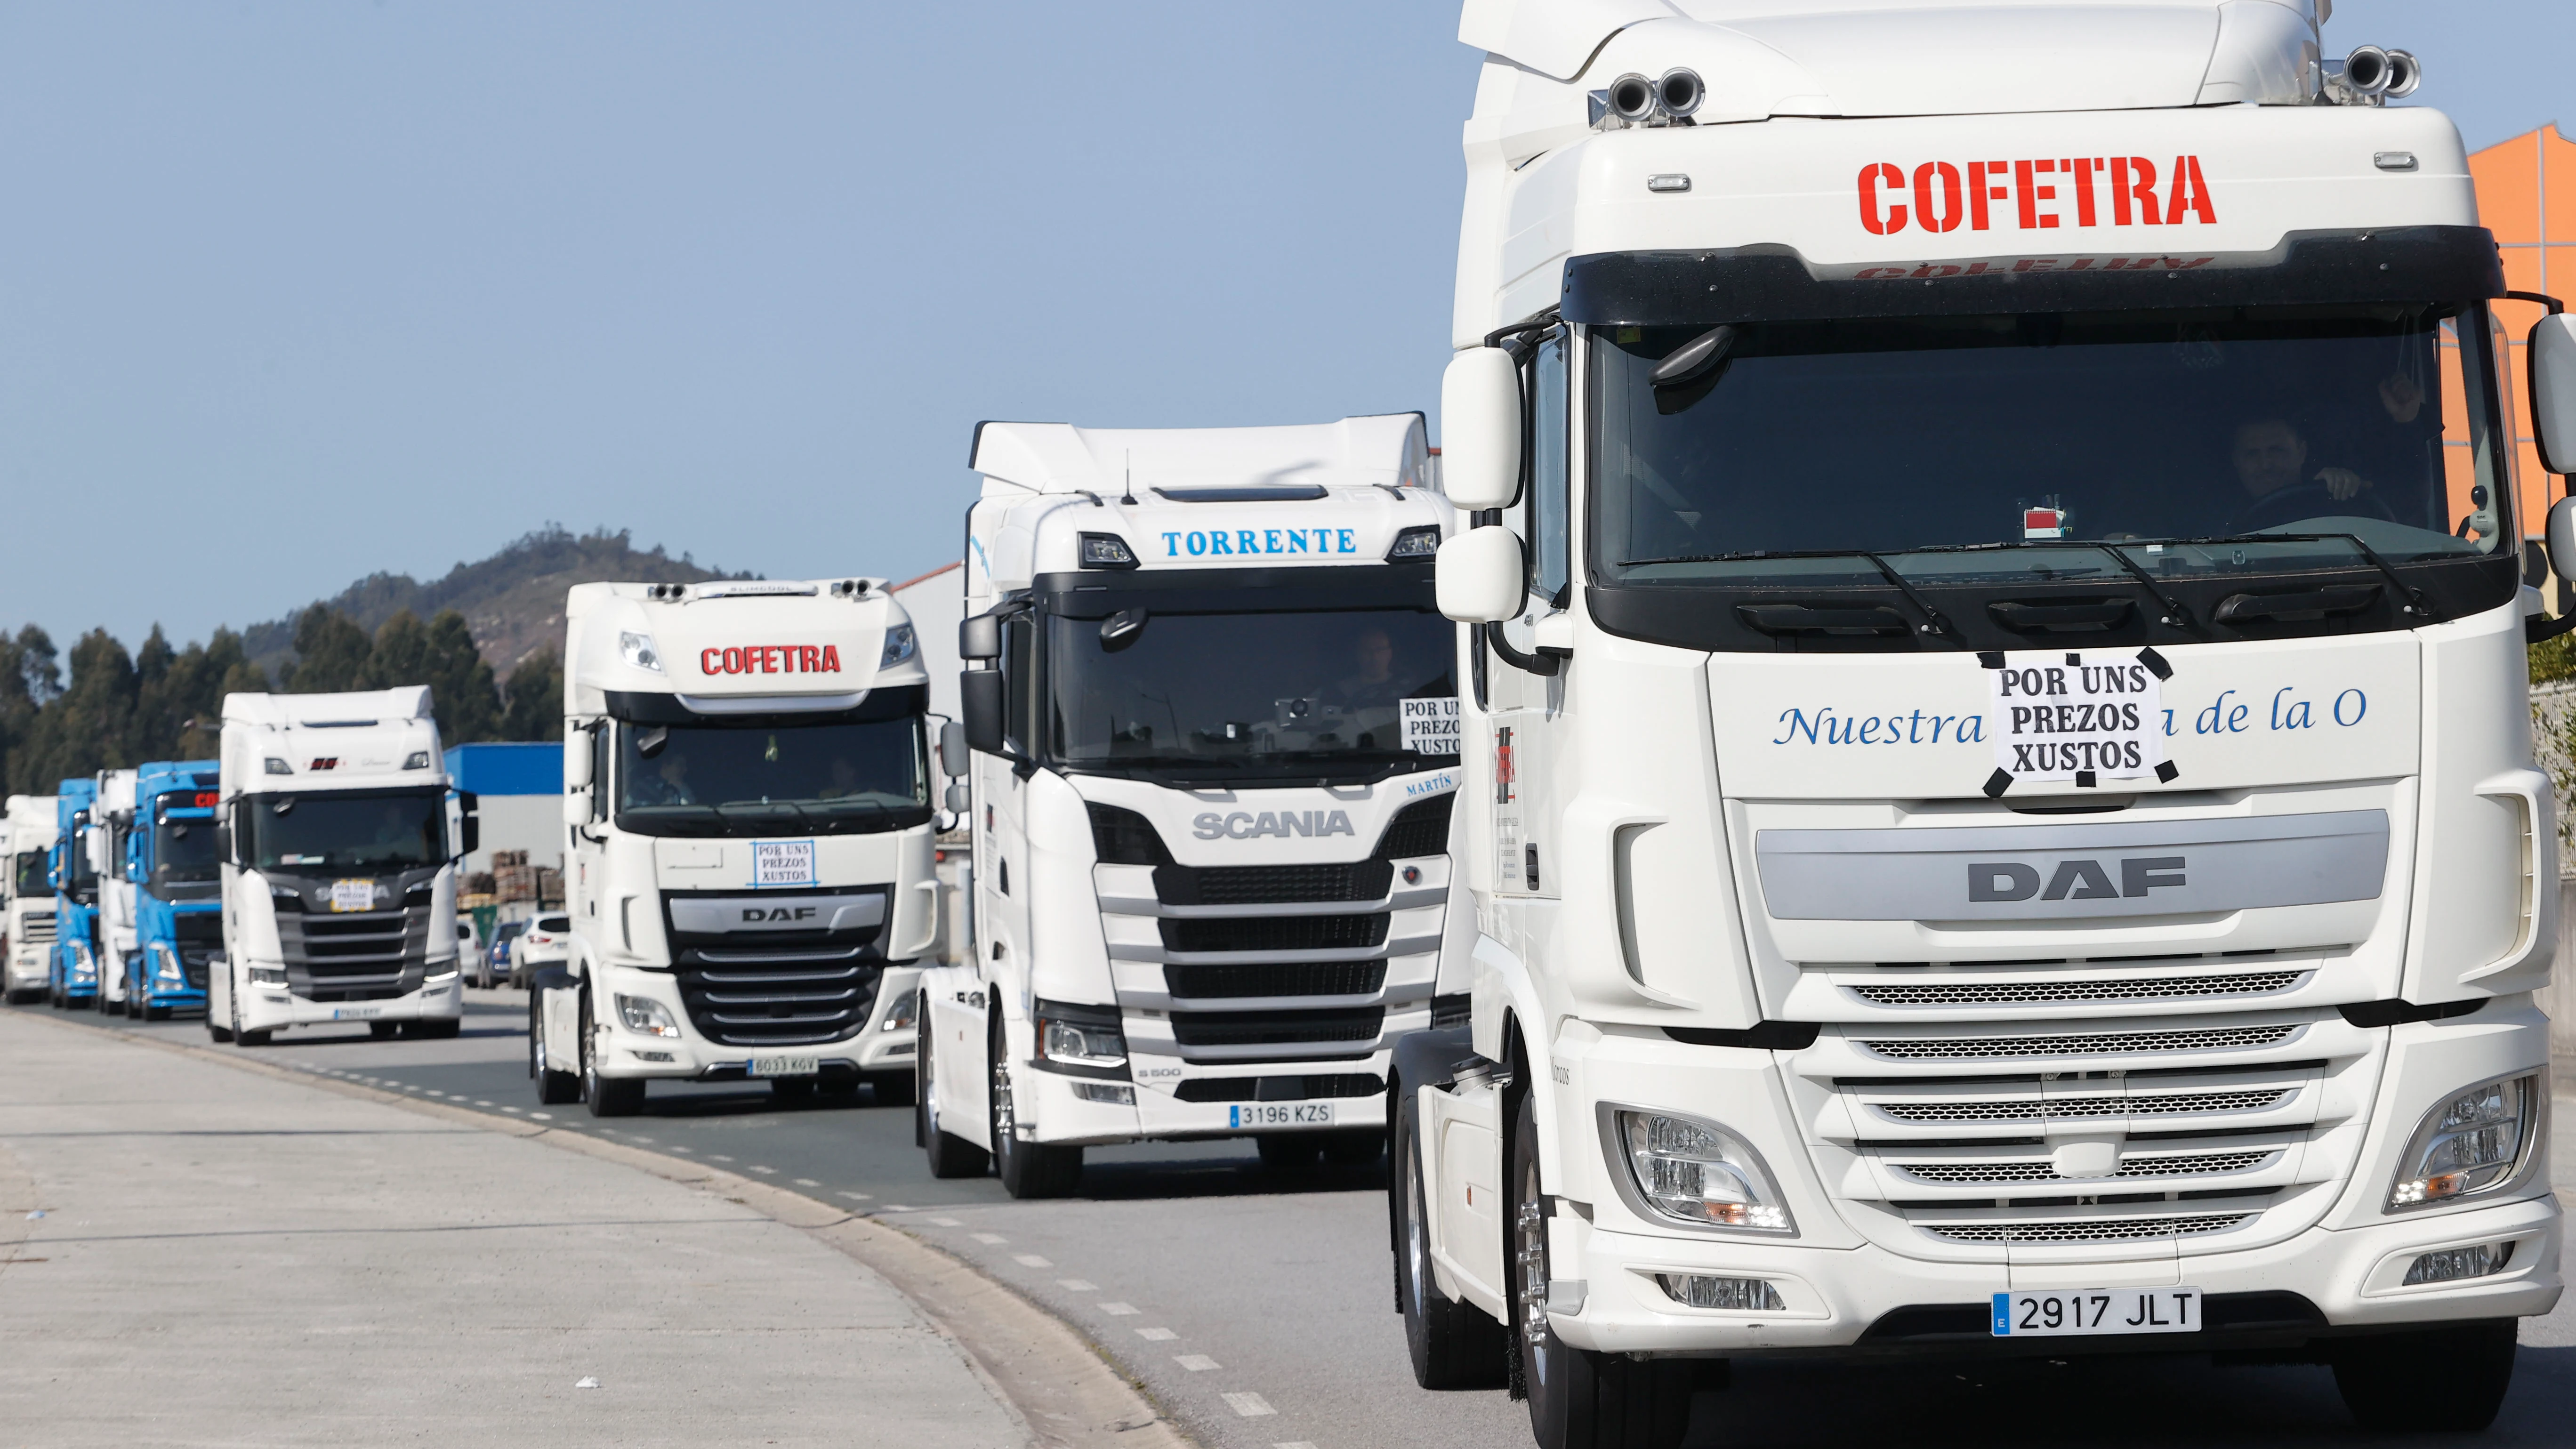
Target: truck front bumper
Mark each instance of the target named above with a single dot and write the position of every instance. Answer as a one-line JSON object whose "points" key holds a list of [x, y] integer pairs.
{"points": [[1867, 1297], [688, 1056], [266, 1008], [1068, 1110]]}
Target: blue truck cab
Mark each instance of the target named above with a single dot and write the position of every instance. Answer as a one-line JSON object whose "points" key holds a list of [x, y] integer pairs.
{"points": [[75, 878], [178, 888]]}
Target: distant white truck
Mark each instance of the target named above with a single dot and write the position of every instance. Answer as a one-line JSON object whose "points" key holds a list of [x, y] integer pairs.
{"points": [[747, 799], [27, 930], [104, 840], [339, 842]]}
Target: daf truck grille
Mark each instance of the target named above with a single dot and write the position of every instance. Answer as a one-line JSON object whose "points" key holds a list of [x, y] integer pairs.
{"points": [[1288, 978], [1277, 1028], [761, 988], [36, 928], [1275, 933], [2016, 993], [357, 956], [1932, 1048], [2088, 1230], [2081, 1108]]}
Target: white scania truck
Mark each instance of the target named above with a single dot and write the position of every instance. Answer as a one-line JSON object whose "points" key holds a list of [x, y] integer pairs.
{"points": [[747, 800], [1211, 708], [104, 839], [27, 931], [339, 839], [1999, 794]]}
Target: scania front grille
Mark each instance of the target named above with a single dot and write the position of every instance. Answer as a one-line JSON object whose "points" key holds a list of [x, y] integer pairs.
{"points": [[1275, 933], [1270, 885], [356, 956], [1285, 978], [1276, 1028]]}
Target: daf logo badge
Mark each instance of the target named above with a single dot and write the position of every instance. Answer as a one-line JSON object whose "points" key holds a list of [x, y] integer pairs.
{"points": [[2074, 880]]}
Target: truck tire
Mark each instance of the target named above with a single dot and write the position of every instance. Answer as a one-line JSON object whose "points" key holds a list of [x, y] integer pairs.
{"points": [[893, 1089], [554, 1088], [1027, 1169], [950, 1156], [1577, 1399], [605, 1096], [2451, 1378], [1453, 1344]]}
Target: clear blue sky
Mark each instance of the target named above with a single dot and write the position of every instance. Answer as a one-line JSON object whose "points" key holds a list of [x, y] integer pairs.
{"points": [[293, 292]]}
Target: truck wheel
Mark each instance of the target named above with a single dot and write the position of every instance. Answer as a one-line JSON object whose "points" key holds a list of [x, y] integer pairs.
{"points": [[1577, 1399], [950, 1155], [554, 1088], [893, 1089], [1027, 1169], [2436, 1379], [1453, 1344], [605, 1096]]}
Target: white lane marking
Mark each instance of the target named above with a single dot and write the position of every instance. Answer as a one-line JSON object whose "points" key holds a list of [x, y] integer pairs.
{"points": [[543, 1116], [1030, 1260], [765, 1171], [513, 1111], [943, 1222], [647, 1141], [807, 1182], [896, 1207], [990, 1238], [718, 1157], [1077, 1285], [435, 1093], [587, 1382], [1250, 1406], [1156, 1335], [1118, 1310], [857, 1196], [1197, 1363], [1295, 1444], [479, 1102]]}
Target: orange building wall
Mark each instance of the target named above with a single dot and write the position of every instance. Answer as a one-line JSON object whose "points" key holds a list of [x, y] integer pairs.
{"points": [[2527, 197]]}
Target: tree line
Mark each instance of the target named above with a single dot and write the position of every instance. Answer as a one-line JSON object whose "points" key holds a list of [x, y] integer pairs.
{"points": [[118, 709]]}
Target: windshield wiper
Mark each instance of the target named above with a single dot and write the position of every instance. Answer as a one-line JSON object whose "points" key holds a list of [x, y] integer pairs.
{"points": [[2412, 597], [727, 808], [2176, 614], [1935, 622]]}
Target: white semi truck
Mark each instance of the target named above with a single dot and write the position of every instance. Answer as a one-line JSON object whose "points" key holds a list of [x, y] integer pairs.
{"points": [[339, 838], [27, 930], [104, 840], [1211, 705], [747, 799], [1999, 794]]}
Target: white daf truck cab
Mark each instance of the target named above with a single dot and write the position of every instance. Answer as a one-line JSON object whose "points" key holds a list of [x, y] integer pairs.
{"points": [[1999, 800], [339, 839], [747, 801], [104, 840], [27, 930], [1208, 739]]}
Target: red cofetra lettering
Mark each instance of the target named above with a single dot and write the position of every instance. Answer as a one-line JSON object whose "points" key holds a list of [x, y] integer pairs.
{"points": [[772, 659], [1882, 219], [1952, 208]]}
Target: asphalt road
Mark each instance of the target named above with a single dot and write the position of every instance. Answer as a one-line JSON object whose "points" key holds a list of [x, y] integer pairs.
{"points": [[1258, 1309]]}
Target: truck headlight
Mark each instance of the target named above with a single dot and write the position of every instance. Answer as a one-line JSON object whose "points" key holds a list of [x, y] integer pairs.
{"points": [[637, 649], [898, 646], [644, 1014], [268, 976], [1699, 1173], [1080, 1038], [166, 973], [2471, 1142], [899, 1016]]}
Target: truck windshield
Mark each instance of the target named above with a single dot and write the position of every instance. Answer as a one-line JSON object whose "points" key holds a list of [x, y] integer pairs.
{"points": [[183, 855], [1951, 433], [1302, 695], [757, 779], [31, 874], [83, 876], [361, 830]]}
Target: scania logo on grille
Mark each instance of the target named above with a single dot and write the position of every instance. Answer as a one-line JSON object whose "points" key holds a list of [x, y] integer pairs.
{"points": [[2073, 880], [1244, 825]]}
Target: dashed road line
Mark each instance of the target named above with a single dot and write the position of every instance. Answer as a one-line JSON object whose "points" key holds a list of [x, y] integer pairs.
{"points": [[1250, 1406], [765, 1171], [807, 1182], [991, 1239], [1119, 1310], [943, 1222], [1030, 1260], [1077, 1285], [1197, 1363], [1156, 1335], [856, 1196]]}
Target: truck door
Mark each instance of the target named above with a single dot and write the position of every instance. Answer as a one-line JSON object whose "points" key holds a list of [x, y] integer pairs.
{"points": [[1527, 706]]}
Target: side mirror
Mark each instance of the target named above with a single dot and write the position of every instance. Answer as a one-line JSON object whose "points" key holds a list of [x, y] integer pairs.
{"points": [[1480, 429], [2562, 538], [576, 758], [224, 842], [470, 831], [954, 756], [1480, 576], [2553, 398], [959, 800], [980, 638], [980, 698]]}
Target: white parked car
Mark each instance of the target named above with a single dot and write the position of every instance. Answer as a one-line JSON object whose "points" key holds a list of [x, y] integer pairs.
{"points": [[542, 944]]}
